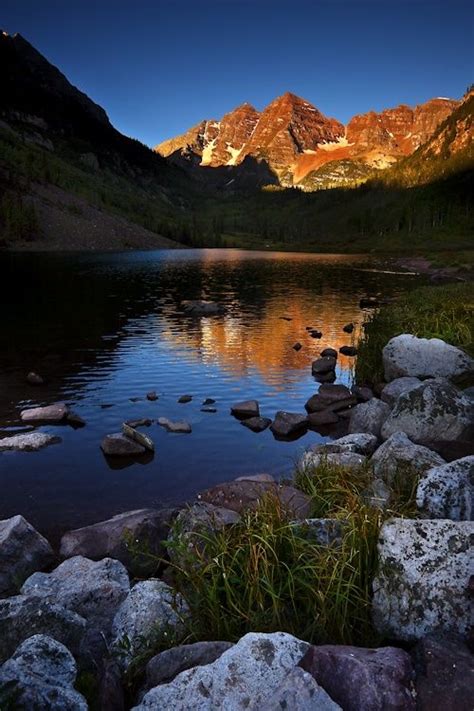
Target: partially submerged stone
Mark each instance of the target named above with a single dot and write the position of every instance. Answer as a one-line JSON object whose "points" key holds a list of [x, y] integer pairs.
{"points": [[424, 567], [288, 424], [52, 414], [447, 491], [34, 379], [407, 355], [369, 417], [257, 424], [183, 399], [22, 551], [118, 445], [348, 350], [326, 364], [179, 427], [246, 409], [398, 454], [29, 442], [328, 352], [139, 437], [322, 419]]}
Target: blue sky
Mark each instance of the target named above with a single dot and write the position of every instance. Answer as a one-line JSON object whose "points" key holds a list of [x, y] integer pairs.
{"points": [[159, 67]]}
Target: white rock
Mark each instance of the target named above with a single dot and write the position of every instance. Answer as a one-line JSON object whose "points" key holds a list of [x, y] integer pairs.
{"points": [[399, 452], [393, 390], [51, 413], [361, 443], [424, 358], [424, 569], [22, 551], [42, 672], [447, 491], [29, 442], [368, 417], [348, 460], [247, 675]]}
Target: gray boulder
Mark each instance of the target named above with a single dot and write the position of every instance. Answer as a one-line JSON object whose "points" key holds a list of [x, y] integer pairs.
{"points": [[166, 665], [298, 690], [22, 551], [348, 460], [447, 491], [117, 445], [407, 355], [369, 417], [42, 673], [361, 443], [150, 610], [22, 616], [435, 414], [288, 424], [361, 679], [424, 568], [53, 414], [248, 673], [398, 452], [249, 408], [94, 590], [148, 528], [29, 442], [395, 388]]}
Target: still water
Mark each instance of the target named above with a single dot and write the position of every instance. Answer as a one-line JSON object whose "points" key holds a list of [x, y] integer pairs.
{"points": [[105, 329]]}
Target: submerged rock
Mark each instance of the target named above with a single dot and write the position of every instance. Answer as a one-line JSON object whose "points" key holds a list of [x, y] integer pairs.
{"points": [[407, 355], [41, 674], [29, 442], [180, 427], [22, 551], [348, 328], [152, 396], [118, 445], [424, 567], [447, 491], [53, 414], [348, 350], [184, 399]]}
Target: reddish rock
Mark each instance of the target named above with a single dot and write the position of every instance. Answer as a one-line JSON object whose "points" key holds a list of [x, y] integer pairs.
{"points": [[246, 494]]}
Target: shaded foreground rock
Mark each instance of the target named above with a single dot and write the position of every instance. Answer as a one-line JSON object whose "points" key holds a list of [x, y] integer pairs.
{"points": [[399, 452], [447, 491], [407, 355], [245, 676], [361, 679], [369, 417], [165, 666], [148, 528], [288, 424], [393, 390], [118, 445], [54, 414], [29, 442], [424, 568], [22, 616], [22, 551], [246, 494], [42, 673]]}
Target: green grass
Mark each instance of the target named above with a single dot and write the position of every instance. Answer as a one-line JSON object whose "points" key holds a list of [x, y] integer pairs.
{"points": [[445, 312]]}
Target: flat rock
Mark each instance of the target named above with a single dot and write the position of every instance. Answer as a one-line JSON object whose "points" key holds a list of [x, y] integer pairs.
{"points": [[165, 666], [246, 409], [245, 495], [287, 424], [361, 679], [138, 437], [447, 491], [150, 609], [109, 539], [22, 616], [435, 414], [94, 590], [369, 417], [245, 676], [257, 424], [42, 673], [395, 388], [347, 460], [424, 568], [178, 427], [361, 443], [332, 397], [54, 414], [424, 358], [22, 551], [399, 453], [444, 673], [29, 442], [199, 307], [255, 477], [118, 445], [326, 364]]}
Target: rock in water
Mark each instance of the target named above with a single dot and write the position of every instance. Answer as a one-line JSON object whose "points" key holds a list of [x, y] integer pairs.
{"points": [[447, 491], [42, 673], [288, 424], [183, 399], [117, 445], [424, 567], [407, 355], [22, 551], [329, 353], [247, 409], [256, 424], [139, 437], [202, 308], [152, 396], [348, 328], [53, 414], [297, 346], [180, 427], [29, 442], [348, 350], [323, 365], [34, 379]]}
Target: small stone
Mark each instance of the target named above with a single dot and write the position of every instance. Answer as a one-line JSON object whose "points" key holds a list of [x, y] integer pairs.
{"points": [[180, 427], [243, 410], [208, 401], [152, 396], [117, 445], [34, 379], [138, 437], [257, 424], [29, 442], [185, 398], [369, 302], [135, 399], [297, 346], [348, 350], [287, 424], [143, 422], [348, 328], [316, 334], [209, 409]]}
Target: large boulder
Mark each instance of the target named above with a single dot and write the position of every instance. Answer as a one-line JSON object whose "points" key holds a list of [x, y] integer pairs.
{"points": [[435, 414], [392, 391], [245, 494], [94, 590], [22, 616], [166, 665], [369, 417], [447, 491], [362, 443], [29, 442], [407, 355], [424, 568], [41, 675], [245, 676], [22, 551], [147, 528], [444, 673], [150, 610], [289, 424], [363, 679], [399, 453]]}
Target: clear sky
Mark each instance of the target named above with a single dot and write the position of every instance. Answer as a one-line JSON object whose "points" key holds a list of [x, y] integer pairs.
{"points": [[159, 67]]}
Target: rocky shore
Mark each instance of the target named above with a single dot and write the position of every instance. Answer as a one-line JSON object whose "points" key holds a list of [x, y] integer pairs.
{"points": [[93, 606]]}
